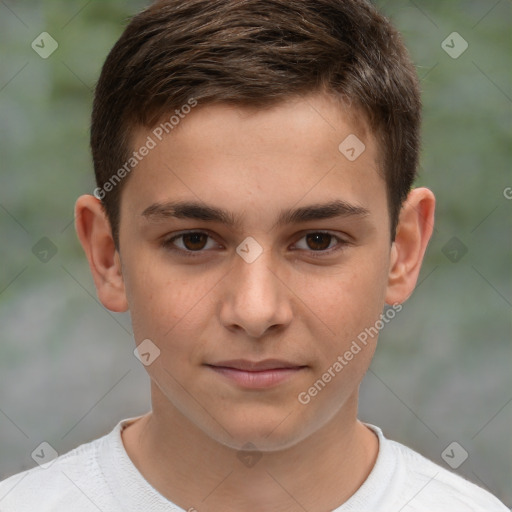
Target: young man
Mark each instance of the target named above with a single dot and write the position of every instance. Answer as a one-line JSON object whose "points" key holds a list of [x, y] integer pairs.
{"points": [[254, 213]]}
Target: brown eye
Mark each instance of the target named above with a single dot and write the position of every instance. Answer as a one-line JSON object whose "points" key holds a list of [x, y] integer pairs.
{"points": [[318, 241], [194, 241], [321, 244]]}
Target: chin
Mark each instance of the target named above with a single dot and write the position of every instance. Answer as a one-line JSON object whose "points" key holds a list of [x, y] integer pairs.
{"points": [[267, 431]]}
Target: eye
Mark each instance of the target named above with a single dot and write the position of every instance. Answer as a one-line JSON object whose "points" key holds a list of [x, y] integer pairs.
{"points": [[195, 243], [322, 242], [189, 242]]}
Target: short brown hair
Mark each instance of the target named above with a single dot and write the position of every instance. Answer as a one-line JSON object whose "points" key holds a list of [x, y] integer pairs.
{"points": [[257, 53]]}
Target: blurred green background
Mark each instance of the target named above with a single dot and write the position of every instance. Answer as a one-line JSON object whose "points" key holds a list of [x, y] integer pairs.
{"points": [[442, 372]]}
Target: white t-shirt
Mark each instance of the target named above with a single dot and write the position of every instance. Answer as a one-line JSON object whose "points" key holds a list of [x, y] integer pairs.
{"points": [[99, 476]]}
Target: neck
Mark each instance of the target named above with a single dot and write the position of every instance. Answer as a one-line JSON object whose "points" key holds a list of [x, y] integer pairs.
{"points": [[195, 471]]}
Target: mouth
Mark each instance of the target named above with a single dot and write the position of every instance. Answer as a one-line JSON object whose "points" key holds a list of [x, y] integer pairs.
{"points": [[257, 374]]}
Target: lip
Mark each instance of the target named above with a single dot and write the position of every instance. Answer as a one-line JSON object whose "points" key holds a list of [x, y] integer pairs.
{"points": [[257, 374], [256, 366]]}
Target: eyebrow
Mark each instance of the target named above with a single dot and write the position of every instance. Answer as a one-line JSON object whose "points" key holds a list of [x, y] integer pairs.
{"points": [[199, 211]]}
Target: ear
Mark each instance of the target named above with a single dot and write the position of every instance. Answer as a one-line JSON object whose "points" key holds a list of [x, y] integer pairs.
{"points": [[95, 234], [414, 229]]}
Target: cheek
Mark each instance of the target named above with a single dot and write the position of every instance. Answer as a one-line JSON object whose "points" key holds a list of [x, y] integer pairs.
{"points": [[349, 303], [351, 299], [164, 300]]}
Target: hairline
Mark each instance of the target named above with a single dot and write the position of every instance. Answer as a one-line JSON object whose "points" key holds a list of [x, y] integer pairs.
{"points": [[346, 104]]}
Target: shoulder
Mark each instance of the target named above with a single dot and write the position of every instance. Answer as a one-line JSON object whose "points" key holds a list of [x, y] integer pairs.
{"points": [[428, 486], [72, 481]]}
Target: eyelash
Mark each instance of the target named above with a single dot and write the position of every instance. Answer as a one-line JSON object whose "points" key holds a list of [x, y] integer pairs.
{"points": [[168, 244]]}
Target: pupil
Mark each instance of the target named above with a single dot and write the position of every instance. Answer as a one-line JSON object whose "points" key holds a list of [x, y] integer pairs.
{"points": [[193, 240], [316, 239], [196, 241]]}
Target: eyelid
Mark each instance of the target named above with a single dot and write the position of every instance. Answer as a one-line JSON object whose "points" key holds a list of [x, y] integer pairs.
{"points": [[167, 242], [341, 243]]}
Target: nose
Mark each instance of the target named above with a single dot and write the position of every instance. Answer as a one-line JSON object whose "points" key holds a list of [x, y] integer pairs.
{"points": [[255, 298]]}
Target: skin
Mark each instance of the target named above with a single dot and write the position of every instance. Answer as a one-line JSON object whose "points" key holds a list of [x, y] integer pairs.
{"points": [[287, 304]]}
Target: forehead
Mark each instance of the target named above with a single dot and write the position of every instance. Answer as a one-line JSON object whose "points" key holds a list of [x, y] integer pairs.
{"points": [[303, 149]]}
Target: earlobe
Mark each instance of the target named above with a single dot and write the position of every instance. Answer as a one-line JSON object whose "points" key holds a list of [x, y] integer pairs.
{"points": [[415, 226], [95, 235]]}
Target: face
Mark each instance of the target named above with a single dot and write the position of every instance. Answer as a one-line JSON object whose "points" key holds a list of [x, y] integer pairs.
{"points": [[254, 253]]}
